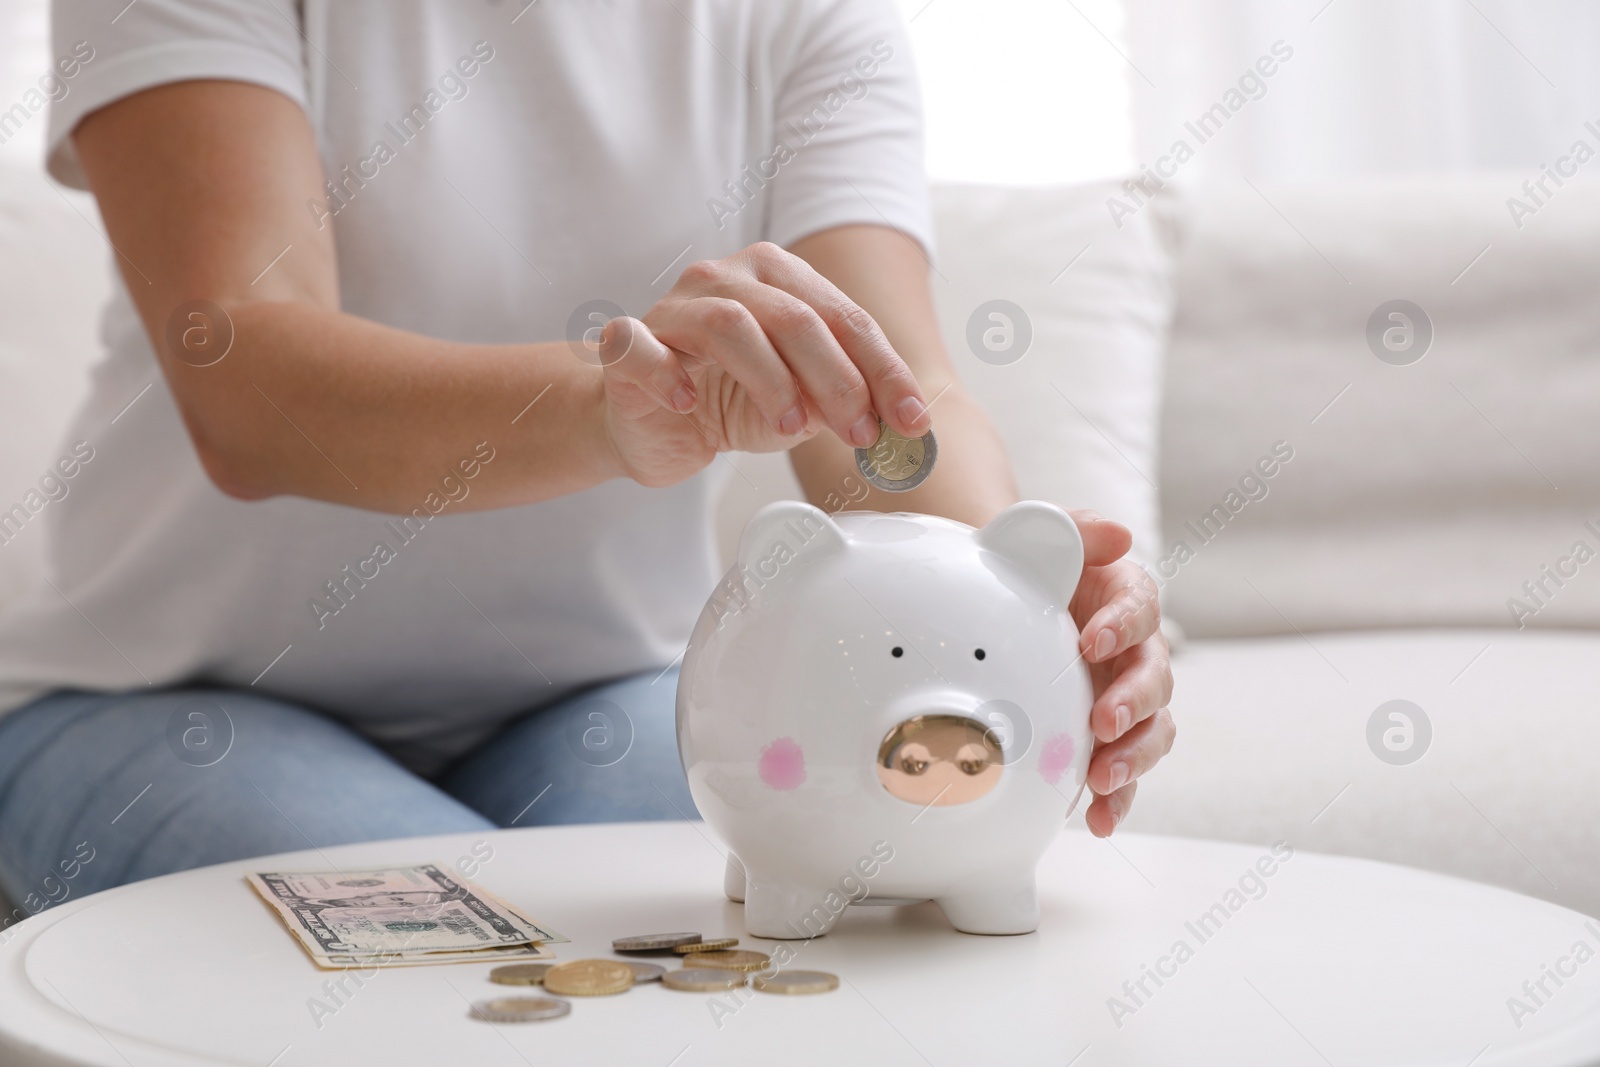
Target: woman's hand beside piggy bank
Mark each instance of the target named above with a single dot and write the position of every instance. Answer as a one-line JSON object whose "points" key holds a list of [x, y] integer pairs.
{"points": [[1119, 621]]}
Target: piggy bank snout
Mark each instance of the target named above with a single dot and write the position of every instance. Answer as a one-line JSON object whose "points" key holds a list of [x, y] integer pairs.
{"points": [[941, 751]]}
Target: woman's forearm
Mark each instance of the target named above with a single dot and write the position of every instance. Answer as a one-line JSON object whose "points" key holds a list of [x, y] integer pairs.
{"points": [[203, 186], [316, 403]]}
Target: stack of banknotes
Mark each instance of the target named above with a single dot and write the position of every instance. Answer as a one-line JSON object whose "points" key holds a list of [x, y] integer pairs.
{"points": [[400, 916]]}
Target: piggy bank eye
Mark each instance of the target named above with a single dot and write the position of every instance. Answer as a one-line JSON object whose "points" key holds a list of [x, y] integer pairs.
{"points": [[979, 653], [897, 652]]}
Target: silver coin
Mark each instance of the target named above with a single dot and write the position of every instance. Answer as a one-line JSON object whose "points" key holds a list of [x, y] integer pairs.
{"points": [[896, 464], [520, 973], [520, 1009], [645, 972], [703, 979], [647, 942]]}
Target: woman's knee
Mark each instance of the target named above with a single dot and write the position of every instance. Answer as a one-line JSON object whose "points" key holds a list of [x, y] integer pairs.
{"points": [[159, 782]]}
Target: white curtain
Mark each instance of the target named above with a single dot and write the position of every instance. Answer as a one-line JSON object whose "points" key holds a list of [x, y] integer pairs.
{"points": [[1022, 92], [1369, 85], [24, 59]]}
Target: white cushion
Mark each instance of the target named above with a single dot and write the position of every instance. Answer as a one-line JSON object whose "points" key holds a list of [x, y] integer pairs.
{"points": [[55, 275], [1269, 734], [1426, 494], [1078, 411]]}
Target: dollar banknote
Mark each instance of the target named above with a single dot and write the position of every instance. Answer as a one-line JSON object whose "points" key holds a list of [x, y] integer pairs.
{"points": [[394, 916]]}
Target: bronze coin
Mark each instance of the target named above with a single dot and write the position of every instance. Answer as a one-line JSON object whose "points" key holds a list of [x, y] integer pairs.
{"points": [[589, 978], [736, 960], [706, 946]]}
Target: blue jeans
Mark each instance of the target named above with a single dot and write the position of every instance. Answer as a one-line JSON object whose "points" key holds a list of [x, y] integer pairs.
{"points": [[99, 789]]}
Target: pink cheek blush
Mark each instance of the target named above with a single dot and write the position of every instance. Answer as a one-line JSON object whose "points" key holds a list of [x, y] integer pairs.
{"points": [[1055, 757], [782, 764]]}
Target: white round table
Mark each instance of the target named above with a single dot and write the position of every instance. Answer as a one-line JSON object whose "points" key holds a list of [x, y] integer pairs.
{"points": [[1326, 961]]}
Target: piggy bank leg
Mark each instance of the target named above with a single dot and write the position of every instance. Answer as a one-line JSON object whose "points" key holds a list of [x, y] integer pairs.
{"points": [[733, 879], [1000, 905], [786, 911]]}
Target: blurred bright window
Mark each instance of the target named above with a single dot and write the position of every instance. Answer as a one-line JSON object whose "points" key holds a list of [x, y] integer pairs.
{"points": [[1023, 91]]}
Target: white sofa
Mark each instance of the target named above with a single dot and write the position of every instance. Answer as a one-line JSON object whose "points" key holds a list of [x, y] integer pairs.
{"points": [[1175, 352], [1381, 564]]}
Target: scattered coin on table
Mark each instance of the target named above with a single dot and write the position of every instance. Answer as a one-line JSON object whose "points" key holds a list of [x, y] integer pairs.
{"points": [[737, 960], [796, 982], [589, 978], [708, 967], [520, 1009], [649, 942], [520, 973], [703, 979], [645, 972], [896, 464], [706, 946]]}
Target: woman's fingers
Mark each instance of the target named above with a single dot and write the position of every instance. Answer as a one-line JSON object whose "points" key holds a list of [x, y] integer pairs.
{"points": [[892, 387], [631, 353], [722, 330], [782, 330], [812, 353], [1124, 609], [1130, 718], [1121, 637], [1116, 763], [1104, 541], [1105, 812], [1142, 684]]}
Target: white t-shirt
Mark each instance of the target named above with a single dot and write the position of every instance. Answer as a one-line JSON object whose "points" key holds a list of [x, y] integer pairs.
{"points": [[492, 168]]}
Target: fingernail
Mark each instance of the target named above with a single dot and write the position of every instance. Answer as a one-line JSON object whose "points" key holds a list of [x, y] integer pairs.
{"points": [[1104, 644], [865, 431], [793, 421], [683, 399], [910, 409], [1124, 719], [1119, 775], [1116, 817]]}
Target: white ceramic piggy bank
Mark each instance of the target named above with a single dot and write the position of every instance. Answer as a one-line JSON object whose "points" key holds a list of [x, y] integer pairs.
{"points": [[888, 706]]}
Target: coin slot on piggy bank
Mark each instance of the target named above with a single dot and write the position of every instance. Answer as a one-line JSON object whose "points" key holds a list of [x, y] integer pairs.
{"points": [[938, 760]]}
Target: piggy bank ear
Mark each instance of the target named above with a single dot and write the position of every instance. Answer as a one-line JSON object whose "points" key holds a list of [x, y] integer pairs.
{"points": [[1042, 540], [785, 529]]}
